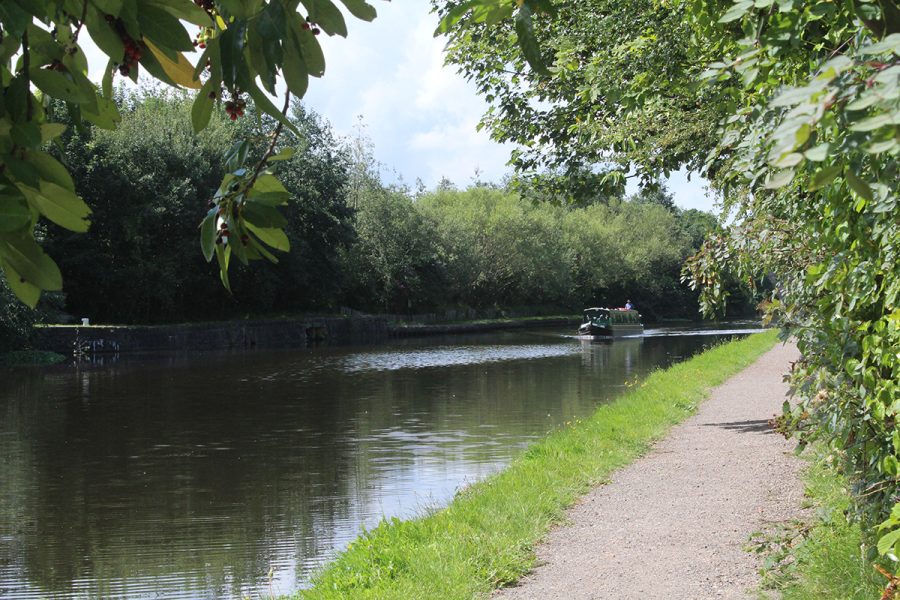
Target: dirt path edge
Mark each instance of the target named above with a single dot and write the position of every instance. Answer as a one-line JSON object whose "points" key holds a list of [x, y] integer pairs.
{"points": [[674, 524]]}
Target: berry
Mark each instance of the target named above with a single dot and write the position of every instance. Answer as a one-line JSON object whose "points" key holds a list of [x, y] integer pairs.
{"points": [[316, 31]]}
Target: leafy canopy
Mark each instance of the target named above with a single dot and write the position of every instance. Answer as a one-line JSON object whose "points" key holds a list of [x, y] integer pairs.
{"points": [[242, 51]]}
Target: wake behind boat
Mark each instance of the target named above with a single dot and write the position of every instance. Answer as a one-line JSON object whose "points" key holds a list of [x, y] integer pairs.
{"points": [[611, 322]]}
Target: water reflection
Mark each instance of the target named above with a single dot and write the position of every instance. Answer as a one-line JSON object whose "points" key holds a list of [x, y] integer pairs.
{"points": [[192, 477]]}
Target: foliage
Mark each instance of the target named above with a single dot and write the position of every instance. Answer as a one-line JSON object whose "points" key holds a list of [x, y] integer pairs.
{"points": [[617, 94], [501, 250], [812, 171], [481, 247], [394, 263], [826, 561], [16, 320], [147, 182], [30, 358], [806, 96], [244, 45], [485, 538]]}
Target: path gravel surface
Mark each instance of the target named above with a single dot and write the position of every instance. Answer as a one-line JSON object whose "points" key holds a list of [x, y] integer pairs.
{"points": [[675, 523]]}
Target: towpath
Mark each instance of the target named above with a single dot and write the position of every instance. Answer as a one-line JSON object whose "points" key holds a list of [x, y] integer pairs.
{"points": [[674, 524]]}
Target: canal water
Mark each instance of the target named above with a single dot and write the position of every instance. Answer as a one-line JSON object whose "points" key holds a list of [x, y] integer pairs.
{"points": [[229, 475]]}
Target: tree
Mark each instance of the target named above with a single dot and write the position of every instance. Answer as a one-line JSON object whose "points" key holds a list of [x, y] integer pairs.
{"points": [[797, 127], [616, 94], [245, 50], [147, 182]]}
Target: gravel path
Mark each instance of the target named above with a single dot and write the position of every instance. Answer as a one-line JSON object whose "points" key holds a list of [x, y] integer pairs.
{"points": [[673, 524]]}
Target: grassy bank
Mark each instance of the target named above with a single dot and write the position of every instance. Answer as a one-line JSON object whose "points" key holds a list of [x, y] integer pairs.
{"points": [[827, 560], [486, 536]]}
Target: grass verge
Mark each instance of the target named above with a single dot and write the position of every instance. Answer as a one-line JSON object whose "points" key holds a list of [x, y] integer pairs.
{"points": [[486, 536], [828, 560]]}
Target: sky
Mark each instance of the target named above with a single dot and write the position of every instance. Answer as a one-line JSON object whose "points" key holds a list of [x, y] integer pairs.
{"points": [[420, 116]]}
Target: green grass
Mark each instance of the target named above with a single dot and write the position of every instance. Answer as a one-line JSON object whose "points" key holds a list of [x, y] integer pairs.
{"points": [[485, 538], [829, 562], [30, 358]]}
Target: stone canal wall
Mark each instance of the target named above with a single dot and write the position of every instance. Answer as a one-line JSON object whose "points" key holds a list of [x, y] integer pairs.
{"points": [[272, 333], [102, 339]]}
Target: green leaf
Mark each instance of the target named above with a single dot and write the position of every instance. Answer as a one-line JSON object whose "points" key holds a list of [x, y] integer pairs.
{"points": [[223, 257], [889, 44], [887, 541], [28, 293], [51, 170], [231, 51], [286, 153], [527, 41], [454, 15], [889, 464], [313, 57], [361, 9], [187, 11], [50, 131], [269, 198], [31, 263], [294, 70], [818, 153], [276, 238], [779, 179], [163, 28], [59, 205], [208, 234], [261, 215], [14, 211], [792, 159], [327, 16], [56, 84], [872, 123], [107, 115], [103, 34], [202, 107], [824, 177], [264, 104], [738, 10], [261, 250], [859, 186], [268, 183], [884, 146]]}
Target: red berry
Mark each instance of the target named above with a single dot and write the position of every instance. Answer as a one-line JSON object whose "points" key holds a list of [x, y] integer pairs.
{"points": [[234, 116]]}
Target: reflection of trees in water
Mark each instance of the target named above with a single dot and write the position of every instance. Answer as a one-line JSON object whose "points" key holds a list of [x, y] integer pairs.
{"points": [[216, 469]]}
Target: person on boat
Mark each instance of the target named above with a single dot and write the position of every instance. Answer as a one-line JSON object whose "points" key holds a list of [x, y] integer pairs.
{"points": [[629, 305]]}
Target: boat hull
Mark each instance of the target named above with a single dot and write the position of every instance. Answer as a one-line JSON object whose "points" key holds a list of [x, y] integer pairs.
{"points": [[615, 330]]}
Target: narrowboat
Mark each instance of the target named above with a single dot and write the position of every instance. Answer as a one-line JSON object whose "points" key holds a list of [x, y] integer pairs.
{"points": [[611, 322]]}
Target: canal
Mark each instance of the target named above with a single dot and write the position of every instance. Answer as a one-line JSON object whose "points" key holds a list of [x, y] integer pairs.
{"points": [[223, 475]]}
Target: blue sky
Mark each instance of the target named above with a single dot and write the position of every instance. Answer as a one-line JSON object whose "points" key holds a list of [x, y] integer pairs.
{"points": [[420, 115]]}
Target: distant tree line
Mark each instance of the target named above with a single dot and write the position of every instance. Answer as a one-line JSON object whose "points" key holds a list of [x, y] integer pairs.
{"points": [[354, 240]]}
